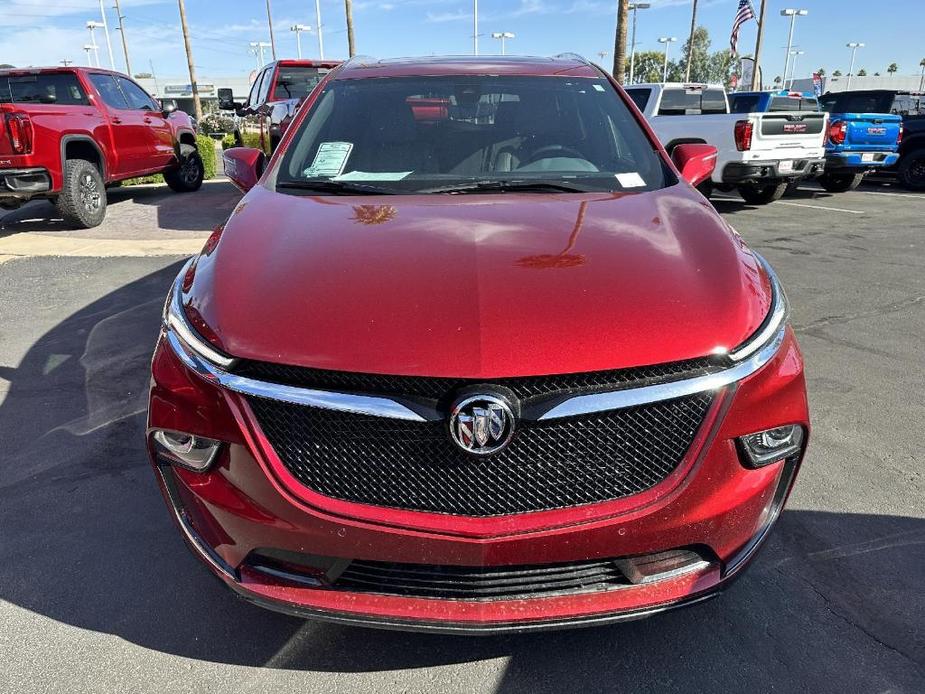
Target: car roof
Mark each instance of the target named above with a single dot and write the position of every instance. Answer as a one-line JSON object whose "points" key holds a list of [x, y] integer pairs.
{"points": [[299, 62], [57, 68], [676, 85], [559, 66]]}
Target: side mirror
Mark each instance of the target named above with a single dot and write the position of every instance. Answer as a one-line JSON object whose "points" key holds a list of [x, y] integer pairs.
{"points": [[695, 162], [244, 166], [168, 106], [226, 100]]}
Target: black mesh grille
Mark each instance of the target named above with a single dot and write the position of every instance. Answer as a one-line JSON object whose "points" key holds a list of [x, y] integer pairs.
{"points": [[480, 583], [414, 465], [438, 388]]}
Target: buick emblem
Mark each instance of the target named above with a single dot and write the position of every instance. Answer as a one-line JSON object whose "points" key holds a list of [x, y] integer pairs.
{"points": [[481, 424]]}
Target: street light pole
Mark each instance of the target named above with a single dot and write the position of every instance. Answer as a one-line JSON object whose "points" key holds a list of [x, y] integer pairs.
{"points": [[502, 35], [854, 46], [298, 29], [318, 25], [112, 61], [91, 25], [667, 40], [793, 68], [793, 14], [257, 47], [475, 27], [633, 7], [89, 50]]}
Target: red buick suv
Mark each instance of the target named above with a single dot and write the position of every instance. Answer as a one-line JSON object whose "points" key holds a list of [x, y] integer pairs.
{"points": [[473, 355]]}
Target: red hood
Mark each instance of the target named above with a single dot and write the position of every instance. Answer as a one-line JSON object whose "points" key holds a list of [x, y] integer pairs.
{"points": [[478, 286]]}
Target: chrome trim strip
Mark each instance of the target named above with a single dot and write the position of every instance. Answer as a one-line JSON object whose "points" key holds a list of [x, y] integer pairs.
{"points": [[343, 402], [633, 397], [776, 316]]}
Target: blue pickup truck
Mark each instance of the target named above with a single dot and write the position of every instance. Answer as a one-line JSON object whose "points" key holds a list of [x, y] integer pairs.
{"points": [[863, 136]]}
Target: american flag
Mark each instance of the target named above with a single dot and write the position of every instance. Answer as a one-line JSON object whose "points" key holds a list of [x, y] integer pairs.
{"points": [[744, 13]]}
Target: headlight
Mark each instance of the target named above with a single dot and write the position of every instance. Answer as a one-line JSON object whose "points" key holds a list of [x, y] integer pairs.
{"points": [[769, 446], [187, 450]]}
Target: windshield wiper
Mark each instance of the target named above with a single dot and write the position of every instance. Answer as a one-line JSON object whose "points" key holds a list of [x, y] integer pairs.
{"points": [[512, 186], [336, 187]]}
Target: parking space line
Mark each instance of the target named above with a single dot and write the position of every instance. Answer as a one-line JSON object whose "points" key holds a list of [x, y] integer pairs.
{"points": [[898, 195], [31, 244], [818, 207]]}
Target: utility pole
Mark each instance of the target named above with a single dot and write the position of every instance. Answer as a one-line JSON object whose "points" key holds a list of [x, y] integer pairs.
{"points": [[318, 25], [756, 71], [690, 43], [475, 27], [272, 38], [351, 40], [128, 66], [619, 42], [197, 104], [65, 62], [112, 61]]}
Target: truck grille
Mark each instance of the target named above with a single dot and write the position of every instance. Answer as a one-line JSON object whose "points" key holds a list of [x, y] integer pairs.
{"points": [[548, 464]]}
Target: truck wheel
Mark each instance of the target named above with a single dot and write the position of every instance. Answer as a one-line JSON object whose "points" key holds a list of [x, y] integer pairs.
{"points": [[839, 183], [82, 200], [792, 187], [911, 171], [188, 176], [761, 195]]}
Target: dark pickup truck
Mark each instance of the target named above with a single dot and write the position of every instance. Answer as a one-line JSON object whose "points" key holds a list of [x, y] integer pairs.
{"points": [[277, 92], [910, 107]]}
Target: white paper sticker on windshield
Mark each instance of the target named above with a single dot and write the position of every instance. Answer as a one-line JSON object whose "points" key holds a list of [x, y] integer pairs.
{"points": [[630, 180], [374, 176], [330, 159]]}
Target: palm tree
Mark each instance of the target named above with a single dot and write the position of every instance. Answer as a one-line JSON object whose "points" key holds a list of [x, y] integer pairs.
{"points": [[862, 73], [821, 72], [777, 79], [892, 68]]}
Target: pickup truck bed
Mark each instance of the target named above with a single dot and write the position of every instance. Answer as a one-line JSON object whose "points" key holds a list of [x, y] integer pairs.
{"points": [[758, 153]]}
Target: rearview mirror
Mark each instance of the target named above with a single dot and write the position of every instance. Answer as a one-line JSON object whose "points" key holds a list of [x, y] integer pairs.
{"points": [[695, 162], [226, 100], [168, 106], [244, 166]]}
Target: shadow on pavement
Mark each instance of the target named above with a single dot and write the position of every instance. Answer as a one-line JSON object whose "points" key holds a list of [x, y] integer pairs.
{"points": [[199, 211], [834, 602]]}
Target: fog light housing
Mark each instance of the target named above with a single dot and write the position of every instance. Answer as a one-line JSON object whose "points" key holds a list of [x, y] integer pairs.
{"points": [[770, 446], [193, 452]]}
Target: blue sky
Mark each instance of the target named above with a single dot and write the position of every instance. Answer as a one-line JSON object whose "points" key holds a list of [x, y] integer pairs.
{"points": [[46, 31]]}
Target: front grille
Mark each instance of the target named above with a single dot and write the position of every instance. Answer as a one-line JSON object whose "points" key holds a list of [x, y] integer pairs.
{"points": [[547, 465], [524, 387], [480, 583]]}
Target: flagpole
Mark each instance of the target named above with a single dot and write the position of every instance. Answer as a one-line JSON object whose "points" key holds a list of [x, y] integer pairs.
{"points": [[756, 71]]}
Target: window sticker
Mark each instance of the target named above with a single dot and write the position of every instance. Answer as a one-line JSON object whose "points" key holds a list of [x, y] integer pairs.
{"points": [[330, 159], [598, 88], [630, 180], [373, 176]]}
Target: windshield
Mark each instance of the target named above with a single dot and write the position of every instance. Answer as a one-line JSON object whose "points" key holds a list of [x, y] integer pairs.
{"points": [[428, 134], [297, 82], [857, 102]]}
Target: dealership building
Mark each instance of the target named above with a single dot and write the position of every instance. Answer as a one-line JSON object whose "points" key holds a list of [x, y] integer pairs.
{"points": [[179, 88]]}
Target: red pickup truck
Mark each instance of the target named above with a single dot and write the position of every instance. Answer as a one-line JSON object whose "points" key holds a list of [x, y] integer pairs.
{"points": [[278, 91], [68, 133]]}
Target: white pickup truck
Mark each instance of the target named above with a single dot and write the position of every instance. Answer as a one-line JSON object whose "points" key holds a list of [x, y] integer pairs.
{"points": [[760, 154]]}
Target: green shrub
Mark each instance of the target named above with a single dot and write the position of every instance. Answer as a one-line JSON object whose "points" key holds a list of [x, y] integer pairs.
{"points": [[228, 141], [206, 147], [251, 139]]}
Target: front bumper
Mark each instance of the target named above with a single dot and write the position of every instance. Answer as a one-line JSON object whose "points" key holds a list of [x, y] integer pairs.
{"points": [[24, 183], [243, 506], [858, 162], [771, 171]]}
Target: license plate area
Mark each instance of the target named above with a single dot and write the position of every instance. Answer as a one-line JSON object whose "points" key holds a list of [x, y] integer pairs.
{"points": [[785, 166], [868, 156]]}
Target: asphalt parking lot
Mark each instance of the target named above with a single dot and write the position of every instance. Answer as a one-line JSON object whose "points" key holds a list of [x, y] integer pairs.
{"points": [[98, 592]]}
